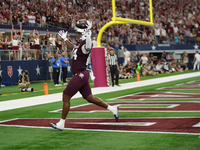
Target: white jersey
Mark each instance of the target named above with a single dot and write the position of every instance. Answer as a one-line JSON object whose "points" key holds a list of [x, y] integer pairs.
{"points": [[197, 56]]}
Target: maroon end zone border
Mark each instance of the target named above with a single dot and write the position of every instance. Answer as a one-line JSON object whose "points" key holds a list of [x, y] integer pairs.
{"points": [[171, 125]]}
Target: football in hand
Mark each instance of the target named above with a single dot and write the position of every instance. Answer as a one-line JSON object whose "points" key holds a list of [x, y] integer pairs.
{"points": [[81, 24]]}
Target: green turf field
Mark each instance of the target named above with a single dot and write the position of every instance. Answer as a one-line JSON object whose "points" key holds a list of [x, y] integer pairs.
{"points": [[24, 138]]}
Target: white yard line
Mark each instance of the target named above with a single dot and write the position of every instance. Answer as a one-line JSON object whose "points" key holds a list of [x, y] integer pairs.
{"points": [[44, 99]]}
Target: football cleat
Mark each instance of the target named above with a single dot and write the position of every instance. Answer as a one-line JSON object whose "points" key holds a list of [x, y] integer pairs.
{"points": [[53, 125], [116, 113]]}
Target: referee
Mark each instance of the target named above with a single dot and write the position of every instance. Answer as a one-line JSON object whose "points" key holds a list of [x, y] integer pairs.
{"points": [[113, 67]]}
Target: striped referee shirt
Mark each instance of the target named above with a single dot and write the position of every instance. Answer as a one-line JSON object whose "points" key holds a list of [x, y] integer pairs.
{"points": [[112, 59]]}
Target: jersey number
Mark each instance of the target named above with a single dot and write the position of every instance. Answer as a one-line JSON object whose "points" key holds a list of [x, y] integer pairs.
{"points": [[74, 54]]}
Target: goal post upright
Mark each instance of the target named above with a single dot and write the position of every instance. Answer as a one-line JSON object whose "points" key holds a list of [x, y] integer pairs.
{"points": [[99, 53], [117, 20]]}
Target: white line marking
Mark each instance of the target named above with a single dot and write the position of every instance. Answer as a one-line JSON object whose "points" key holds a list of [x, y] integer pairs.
{"points": [[124, 123], [181, 133], [174, 105], [196, 125]]}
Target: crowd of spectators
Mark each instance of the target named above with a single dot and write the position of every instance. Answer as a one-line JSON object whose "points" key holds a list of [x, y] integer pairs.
{"points": [[150, 65], [176, 21], [34, 47]]}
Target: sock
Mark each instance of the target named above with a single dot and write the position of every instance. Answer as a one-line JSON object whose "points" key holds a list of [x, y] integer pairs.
{"points": [[61, 123], [110, 108], [92, 75]]}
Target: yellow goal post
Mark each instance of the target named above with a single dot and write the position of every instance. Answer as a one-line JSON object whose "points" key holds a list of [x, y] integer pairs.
{"points": [[117, 20]]}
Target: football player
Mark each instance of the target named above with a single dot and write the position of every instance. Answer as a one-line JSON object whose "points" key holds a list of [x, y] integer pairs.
{"points": [[79, 82]]}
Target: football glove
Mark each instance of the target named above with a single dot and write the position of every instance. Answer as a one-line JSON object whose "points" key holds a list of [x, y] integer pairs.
{"points": [[63, 34]]}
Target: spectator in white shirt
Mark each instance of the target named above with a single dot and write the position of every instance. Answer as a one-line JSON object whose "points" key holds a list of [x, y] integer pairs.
{"points": [[157, 33], [159, 67], [31, 19], [127, 56], [197, 61], [144, 59]]}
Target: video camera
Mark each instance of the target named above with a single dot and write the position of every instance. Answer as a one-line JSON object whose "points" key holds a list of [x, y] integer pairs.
{"points": [[26, 72]]}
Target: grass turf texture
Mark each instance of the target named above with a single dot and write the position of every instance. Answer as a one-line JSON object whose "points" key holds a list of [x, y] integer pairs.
{"points": [[30, 138]]}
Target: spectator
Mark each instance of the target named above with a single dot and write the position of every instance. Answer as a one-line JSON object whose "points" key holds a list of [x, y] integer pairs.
{"points": [[178, 67], [36, 38], [164, 56], [165, 67], [49, 64], [187, 36], [32, 47], [144, 59], [59, 43], [159, 67], [15, 45], [127, 56], [146, 71], [31, 19], [38, 20], [43, 20], [185, 59], [7, 46], [25, 51], [196, 61], [128, 69], [44, 44], [176, 38], [2, 43], [19, 19], [157, 33]]}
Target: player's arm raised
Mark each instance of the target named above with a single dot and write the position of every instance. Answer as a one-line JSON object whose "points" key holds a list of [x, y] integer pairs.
{"points": [[88, 34], [63, 35]]}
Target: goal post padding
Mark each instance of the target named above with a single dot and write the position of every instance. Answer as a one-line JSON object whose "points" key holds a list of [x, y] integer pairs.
{"points": [[99, 67]]}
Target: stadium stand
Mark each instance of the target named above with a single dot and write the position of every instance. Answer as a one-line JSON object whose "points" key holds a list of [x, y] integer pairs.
{"points": [[176, 23]]}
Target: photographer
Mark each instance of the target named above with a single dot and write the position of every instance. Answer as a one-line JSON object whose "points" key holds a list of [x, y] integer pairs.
{"points": [[24, 82]]}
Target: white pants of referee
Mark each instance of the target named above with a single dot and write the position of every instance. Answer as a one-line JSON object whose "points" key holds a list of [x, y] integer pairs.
{"points": [[196, 63]]}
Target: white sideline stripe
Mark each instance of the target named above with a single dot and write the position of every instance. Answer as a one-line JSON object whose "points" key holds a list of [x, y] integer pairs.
{"points": [[124, 123], [44, 99], [196, 125], [171, 106], [182, 133], [74, 129]]}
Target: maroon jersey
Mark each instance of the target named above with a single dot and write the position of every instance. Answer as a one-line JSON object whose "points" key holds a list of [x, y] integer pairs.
{"points": [[59, 43], [79, 59]]}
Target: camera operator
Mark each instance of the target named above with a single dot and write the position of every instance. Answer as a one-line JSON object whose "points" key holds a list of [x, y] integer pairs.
{"points": [[24, 82]]}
